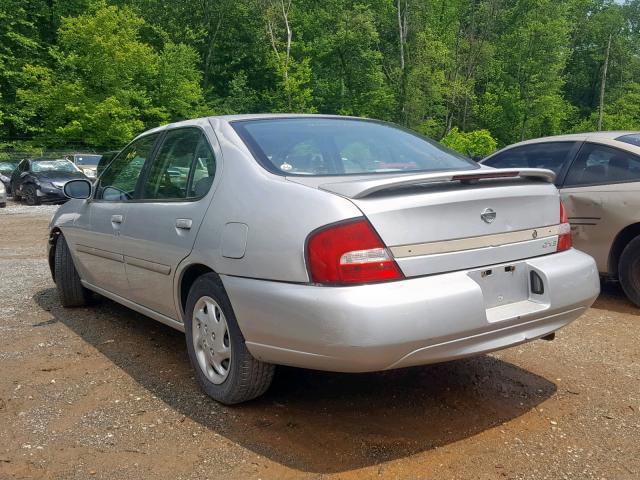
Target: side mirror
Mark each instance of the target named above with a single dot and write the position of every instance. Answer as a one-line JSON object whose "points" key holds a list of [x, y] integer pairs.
{"points": [[80, 189]]}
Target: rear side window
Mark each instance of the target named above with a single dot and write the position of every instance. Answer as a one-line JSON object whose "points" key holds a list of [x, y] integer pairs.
{"points": [[183, 168], [119, 180], [333, 146], [551, 156], [600, 164]]}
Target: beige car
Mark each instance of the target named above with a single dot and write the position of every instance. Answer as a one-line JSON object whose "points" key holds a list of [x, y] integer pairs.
{"points": [[598, 175]]}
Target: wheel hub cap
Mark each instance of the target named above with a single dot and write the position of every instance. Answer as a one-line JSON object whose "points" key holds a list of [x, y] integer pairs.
{"points": [[211, 339]]}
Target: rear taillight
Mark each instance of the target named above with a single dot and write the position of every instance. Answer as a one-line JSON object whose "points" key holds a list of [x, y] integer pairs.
{"points": [[564, 233], [349, 253]]}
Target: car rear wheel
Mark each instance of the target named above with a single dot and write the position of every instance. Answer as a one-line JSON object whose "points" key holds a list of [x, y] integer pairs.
{"points": [[70, 289], [31, 195], [225, 369], [629, 270]]}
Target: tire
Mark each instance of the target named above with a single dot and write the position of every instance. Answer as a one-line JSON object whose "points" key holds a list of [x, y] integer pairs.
{"points": [[629, 270], [243, 377], [31, 195], [70, 290]]}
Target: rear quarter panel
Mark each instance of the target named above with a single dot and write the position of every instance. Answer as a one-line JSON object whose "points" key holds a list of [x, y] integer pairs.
{"points": [[279, 216], [598, 214]]}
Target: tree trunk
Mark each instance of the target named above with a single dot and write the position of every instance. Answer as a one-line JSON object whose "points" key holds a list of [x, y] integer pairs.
{"points": [[401, 33], [402, 37], [211, 39], [603, 83]]}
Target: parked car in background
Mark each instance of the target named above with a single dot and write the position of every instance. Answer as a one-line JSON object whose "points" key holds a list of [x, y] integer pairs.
{"points": [[6, 169], [598, 175], [87, 162], [3, 196], [293, 240], [41, 180], [105, 160]]}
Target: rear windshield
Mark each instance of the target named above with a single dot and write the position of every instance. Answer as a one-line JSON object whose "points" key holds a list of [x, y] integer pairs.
{"points": [[632, 138], [327, 146]]}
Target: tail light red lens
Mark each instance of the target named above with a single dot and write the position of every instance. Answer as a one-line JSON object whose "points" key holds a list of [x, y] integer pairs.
{"points": [[564, 234], [350, 253]]}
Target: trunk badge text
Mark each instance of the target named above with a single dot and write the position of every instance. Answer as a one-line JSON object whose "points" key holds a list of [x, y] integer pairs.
{"points": [[488, 215]]}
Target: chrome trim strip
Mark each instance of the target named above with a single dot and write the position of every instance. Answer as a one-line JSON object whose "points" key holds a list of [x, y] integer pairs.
{"points": [[147, 265], [116, 257], [471, 243]]}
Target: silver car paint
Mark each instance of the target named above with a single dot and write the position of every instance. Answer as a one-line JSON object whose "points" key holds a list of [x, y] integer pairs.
{"points": [[415, 321], [95, 243], [156, 236], [264, 270]]}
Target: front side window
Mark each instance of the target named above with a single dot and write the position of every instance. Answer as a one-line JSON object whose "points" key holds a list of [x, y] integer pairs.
{"points": [[183, 168], [334, 146], [551, 156], [600, 164], [119, 180]]}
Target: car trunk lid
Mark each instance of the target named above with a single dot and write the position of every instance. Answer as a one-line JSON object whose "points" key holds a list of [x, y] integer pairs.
{"points": [[448, 221]]}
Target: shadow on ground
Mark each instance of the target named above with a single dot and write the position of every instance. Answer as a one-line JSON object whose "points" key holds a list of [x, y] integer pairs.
{"points": [[613, 298], [314, 421]]}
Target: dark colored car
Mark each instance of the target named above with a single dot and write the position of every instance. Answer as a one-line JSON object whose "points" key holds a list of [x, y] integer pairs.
{"points": [[40, 180], [6, 169], [106, 159]]}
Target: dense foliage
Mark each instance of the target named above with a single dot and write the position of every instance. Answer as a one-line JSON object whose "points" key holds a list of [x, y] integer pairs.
{"points": [[471, 72]]}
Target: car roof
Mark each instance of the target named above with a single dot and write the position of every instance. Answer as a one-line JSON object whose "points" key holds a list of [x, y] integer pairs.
{"points": [[608, 138], [608, 135], [246, 116]]}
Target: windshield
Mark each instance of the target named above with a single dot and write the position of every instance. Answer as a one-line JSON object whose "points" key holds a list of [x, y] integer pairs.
{"points": [[334, 146], [7, 167], [91, 160], [53, 166], [632, 138]]}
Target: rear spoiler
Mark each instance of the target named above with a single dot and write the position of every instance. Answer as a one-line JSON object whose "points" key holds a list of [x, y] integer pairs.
{"points": [[364, 187]]}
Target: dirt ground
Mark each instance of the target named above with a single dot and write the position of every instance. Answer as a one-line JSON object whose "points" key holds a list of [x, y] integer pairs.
{"points": [[103, 392]]}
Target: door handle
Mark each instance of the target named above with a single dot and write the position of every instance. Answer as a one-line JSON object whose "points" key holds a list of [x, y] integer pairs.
{"points": [[184, 223], [116, 218]]}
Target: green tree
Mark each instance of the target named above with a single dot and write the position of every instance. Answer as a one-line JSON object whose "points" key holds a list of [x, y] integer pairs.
{"points": [[475, 143], [19, 43], [523, 94], [106, 85]]}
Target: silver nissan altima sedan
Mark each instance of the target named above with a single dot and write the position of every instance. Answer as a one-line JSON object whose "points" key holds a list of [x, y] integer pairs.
{"points": [[322, 242]]}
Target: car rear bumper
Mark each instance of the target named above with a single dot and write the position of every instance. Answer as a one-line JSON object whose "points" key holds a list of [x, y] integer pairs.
{"points": [[410, 322]]}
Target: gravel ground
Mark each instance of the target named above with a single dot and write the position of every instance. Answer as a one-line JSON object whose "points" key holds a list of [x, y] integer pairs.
{"points": [[22, 209], [103, 392]]}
